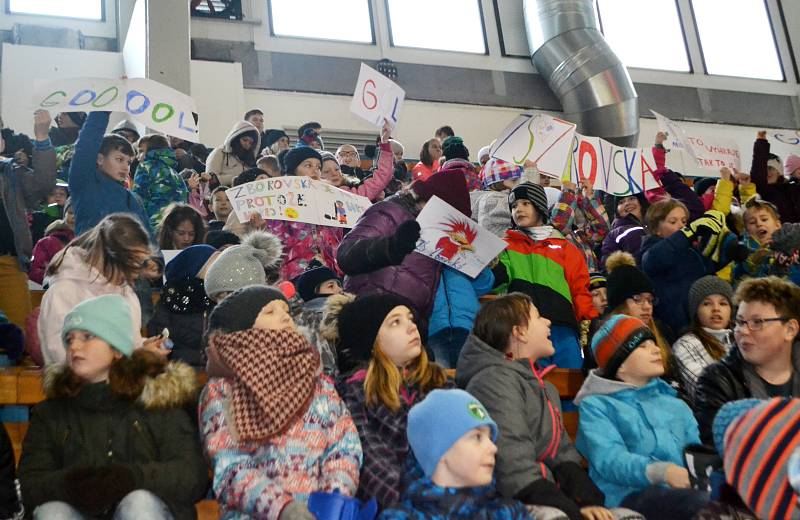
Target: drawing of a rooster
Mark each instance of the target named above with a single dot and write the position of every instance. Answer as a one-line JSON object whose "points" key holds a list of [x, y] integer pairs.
{"points": [[459, 236]]}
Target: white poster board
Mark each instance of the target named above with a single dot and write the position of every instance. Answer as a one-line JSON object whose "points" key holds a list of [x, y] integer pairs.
{"points": [[540, 138], [450, 237], [613, 169], [146, 101], [705, 154], [297, 199], [377, 98]]}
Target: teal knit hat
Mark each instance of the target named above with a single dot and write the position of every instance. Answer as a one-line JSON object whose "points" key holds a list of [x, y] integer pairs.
{"points": [[108, 317]]}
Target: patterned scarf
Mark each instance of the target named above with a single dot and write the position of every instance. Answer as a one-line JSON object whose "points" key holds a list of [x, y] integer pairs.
{"points": [[275, 375]]}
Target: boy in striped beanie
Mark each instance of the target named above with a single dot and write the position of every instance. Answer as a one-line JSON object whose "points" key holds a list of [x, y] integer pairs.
{"points": [[758, 446], [633, 428]]}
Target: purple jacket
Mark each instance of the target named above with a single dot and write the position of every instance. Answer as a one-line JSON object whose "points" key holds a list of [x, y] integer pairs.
{"points": [[364, 257], [626, 235]]}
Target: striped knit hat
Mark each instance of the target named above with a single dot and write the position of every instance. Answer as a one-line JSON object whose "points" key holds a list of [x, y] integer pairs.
{"points": [[757, 449], [534, 194], [596, 281], [615, 340], [498, 170]]}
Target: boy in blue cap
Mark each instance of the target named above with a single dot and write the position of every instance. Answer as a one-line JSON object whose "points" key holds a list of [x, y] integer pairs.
{"points": [[452, 438]]}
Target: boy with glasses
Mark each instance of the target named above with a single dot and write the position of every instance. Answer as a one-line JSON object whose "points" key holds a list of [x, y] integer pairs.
{"points": [[763, 363]]}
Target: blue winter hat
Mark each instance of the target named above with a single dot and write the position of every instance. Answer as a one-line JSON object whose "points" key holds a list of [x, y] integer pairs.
{"points": [[108, 317], [188, 262], [726, 415], [443, 417]]}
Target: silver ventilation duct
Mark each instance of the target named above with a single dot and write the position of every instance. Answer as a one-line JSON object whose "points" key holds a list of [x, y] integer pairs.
{"points": [[593, 85]]}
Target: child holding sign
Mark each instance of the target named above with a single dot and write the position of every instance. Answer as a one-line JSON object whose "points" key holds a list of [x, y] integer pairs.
{"points": [[98, 173], [303, 242]]}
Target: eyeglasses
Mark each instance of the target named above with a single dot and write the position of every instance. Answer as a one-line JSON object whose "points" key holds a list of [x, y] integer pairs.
{"points": [[757, 323], [639, 299], [348, 154]]}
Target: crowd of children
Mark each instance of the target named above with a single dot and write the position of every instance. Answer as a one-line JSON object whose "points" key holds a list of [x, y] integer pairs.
{"points": [[345, 367]]}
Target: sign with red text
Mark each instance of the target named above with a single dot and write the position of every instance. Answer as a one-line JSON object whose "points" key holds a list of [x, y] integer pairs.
{"points": [[703, 156], [297, 199], [542, 139], [613, 169], [377, 98], [450, 237], [145, 101]]}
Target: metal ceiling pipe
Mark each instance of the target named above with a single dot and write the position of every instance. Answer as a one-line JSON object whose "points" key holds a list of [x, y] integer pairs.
{"points": [[568, 49]]}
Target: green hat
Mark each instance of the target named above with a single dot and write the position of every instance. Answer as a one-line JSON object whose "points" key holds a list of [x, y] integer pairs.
{"points": [[108, 317]]}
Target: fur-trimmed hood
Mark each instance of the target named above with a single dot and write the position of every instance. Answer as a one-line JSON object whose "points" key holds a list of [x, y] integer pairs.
{"points": [[144, 378]]}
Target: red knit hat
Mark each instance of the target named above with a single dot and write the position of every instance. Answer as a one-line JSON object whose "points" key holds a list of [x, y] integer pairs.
{"points": [[449, 185]]}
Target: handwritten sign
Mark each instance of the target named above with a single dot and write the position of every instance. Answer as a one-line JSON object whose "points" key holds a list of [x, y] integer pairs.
{"points": [[450, 237], [297, 199], [143, 100], [616, 170], [540, 138], [377, 98], [703, 155]]}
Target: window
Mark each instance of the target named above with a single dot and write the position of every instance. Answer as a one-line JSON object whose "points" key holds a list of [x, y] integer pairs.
{"points": [[85, 9], [342, 20], [224, 9], [737, 39], [645, 33], [446, 25]]}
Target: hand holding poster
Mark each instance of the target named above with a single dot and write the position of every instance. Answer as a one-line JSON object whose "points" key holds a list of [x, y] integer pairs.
{"points": [[704, 156], [452, 238], [143, 100], [540, 138], [377, 98], [297, 199]]}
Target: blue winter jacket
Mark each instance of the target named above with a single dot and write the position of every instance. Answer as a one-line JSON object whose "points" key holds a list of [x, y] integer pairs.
{"points": [[424, 500], [94, 194], [456, 302], [673, 265], [631, 434]]}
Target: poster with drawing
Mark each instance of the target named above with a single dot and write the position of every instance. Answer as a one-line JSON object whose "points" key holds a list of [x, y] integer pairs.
{"points": [[297, 199], [542, 139], [452, 238]]}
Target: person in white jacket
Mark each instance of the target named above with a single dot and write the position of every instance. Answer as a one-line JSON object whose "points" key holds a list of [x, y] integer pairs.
{"points": [[237, 153], [105, 260]]}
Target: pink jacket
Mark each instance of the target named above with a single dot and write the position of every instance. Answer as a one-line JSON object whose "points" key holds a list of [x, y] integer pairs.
{"points": [[44, 251], [373, 187]]}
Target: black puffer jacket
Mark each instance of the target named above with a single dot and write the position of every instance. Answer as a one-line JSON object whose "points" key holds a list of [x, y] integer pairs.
{"points": [[730, 379]]}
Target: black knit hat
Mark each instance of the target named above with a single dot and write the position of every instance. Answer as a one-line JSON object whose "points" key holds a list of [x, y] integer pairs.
{"points": [[533, 193], [295, 156], [308, 282], [273, 135], [453, 148], [249, 175], [358, 325], [625, 282], [77, 117], [702, 185], [240, 309]]}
